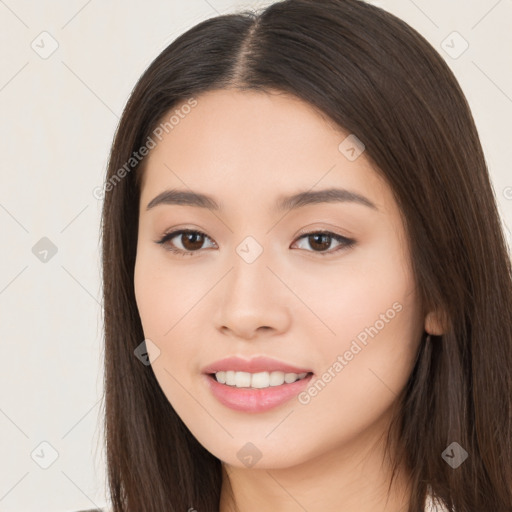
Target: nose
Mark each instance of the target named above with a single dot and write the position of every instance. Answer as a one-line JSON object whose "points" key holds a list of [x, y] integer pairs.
{"points": [[252, 301]]}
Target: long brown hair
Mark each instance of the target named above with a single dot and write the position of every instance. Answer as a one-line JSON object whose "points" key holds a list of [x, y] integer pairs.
{"points": [[379, 79]]}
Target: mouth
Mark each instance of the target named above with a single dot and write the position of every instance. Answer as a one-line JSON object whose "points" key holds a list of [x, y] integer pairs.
{"points": [[259, 380], [258, 392]]}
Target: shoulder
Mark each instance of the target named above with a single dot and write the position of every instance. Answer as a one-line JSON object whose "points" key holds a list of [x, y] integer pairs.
{"points": [[434, 505]]}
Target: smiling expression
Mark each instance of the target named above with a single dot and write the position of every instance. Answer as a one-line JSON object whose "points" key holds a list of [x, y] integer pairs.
{"points": [[295, 250]]}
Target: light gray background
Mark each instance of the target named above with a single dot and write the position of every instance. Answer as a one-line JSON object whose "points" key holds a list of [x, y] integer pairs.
{"points": [[58, 116]]}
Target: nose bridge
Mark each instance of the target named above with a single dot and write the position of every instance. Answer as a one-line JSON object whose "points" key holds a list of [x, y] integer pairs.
{"points": [[249, 279], [252, 296]]}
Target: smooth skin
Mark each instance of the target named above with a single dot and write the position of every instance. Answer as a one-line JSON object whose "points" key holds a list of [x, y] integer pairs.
{"points": [[303, 300]]}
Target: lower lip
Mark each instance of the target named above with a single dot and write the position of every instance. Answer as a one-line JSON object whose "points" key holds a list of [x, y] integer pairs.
{"points": [[255, 400]]}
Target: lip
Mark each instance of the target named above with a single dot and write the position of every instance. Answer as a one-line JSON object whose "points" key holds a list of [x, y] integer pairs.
{"points": [[254, 365], [255, 400]]}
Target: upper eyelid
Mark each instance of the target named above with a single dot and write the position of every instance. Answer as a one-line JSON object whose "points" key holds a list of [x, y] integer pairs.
{"points": [[176, 232]]}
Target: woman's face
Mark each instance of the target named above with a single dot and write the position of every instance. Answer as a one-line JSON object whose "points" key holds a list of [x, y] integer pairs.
{"points": [[262, 280]]}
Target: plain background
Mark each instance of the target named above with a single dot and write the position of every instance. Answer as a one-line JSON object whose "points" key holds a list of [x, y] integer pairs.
{"points": [[58, 116]]}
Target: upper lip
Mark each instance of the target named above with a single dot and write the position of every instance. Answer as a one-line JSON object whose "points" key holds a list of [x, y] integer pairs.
{"points": [[254, 365]]}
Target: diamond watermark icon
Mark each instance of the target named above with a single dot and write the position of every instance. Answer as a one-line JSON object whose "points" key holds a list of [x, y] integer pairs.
{"points": [[351, 147], [44, 249], [454, 45], [454, 455], [249, 249], [248, 455], [44, 454], [44, 45], [147, 352]]}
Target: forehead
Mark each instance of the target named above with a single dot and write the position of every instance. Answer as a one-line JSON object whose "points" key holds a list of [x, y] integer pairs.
{"points": [[247, 142], [254, 121]]}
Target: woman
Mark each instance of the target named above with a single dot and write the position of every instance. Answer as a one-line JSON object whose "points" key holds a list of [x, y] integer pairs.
{"points": [[307, 291]]}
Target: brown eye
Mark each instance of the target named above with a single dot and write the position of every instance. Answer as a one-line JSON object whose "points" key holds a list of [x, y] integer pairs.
{"points": [[191, 241], [320, 242]]}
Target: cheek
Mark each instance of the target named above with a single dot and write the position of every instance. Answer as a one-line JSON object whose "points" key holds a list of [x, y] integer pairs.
{"points": [[162, 290], [371, 311], [364, 367], [157, 303], [150, 295], [167, 299], [366, 290]]}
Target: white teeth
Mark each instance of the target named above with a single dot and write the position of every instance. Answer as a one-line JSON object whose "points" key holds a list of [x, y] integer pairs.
{"points": [[276, 378], [221, 377], [257, 380]]}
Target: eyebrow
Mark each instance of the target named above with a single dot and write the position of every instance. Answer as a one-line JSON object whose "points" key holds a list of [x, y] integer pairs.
{"points": [[331, 195]]}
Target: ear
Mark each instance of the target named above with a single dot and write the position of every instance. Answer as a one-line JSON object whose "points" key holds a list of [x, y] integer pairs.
{"points": [[434, 323]]}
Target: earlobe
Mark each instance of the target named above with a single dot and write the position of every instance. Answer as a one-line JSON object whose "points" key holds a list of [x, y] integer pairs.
{"points": [[434, 324]]}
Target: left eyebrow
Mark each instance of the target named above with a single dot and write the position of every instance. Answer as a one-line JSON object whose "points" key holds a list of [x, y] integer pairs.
{"points": [[184, 197], [330, 195], [298, 200]]}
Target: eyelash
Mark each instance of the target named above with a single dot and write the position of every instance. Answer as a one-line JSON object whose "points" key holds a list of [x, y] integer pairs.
{"points": [[345, 243]]}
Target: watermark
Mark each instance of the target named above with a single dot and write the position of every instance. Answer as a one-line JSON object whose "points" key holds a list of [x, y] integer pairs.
{"points": [[351, 147], [44, 455], [249, 454], [454, 45], [507, 192], [44, 249], [343, 360], [147, 352], [454, 455], [249, 249], [44, 44], [137, 156]]}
